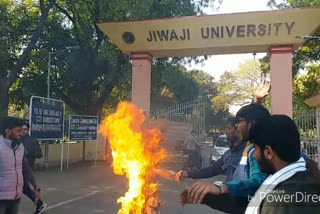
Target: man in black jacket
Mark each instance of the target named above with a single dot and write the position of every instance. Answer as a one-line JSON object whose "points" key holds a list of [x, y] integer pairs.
{"points": [[28, 182], [31, 146], [294, 183], [32, 151], [228, 163]]}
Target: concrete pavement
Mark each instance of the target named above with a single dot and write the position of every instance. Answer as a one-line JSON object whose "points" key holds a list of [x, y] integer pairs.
{"points": [[95, 189]]}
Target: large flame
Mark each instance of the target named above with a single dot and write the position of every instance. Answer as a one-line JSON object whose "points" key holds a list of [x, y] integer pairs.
{"points": [[136, 151]]}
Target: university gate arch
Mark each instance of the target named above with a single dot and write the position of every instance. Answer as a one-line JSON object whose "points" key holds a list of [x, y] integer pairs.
{"points": [[277, 32]]}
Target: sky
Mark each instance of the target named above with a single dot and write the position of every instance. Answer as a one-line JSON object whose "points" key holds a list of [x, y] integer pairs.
{"points": [[217, 64]]}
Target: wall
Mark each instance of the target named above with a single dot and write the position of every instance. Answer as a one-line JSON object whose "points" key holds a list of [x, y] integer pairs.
{"points": [[75, 154], [173, 132]]}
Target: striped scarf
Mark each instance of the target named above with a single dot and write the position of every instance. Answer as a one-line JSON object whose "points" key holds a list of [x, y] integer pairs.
{"points": [[271, 182]]}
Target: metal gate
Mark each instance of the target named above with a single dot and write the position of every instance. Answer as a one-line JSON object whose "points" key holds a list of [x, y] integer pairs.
{"points": [[191, 112], [308, 122]]}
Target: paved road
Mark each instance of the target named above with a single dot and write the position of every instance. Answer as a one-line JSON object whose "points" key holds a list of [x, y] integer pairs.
{"points": [[94, 189]]}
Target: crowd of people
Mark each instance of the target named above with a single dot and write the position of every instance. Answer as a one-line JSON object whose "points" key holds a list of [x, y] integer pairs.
{"points": [[265, 170]]}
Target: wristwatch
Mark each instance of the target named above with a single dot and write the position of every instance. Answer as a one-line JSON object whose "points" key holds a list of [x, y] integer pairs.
{"points": [[220, 184]]}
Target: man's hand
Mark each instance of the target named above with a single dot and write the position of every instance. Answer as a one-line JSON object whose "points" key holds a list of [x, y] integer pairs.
{"points": [[198, 190], [184, 197], [262, 92], [181, 175], [37, 195]]}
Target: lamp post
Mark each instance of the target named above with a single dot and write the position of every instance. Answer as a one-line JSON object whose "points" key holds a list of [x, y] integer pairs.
{"points": [[50, 54], [48, 77]]}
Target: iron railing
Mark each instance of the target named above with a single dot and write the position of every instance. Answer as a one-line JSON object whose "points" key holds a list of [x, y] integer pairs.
{"points": [[308, 122], [191, 112]]}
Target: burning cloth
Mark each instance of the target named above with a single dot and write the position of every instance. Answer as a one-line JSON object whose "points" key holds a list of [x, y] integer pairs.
{"points": [[136, 150]]}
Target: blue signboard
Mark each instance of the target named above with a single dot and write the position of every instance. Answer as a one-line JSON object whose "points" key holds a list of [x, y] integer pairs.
{"points": [[47, 120], [83, 127]]}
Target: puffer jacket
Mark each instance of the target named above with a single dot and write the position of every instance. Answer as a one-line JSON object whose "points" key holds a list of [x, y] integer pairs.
{"points": [[11, 178]]}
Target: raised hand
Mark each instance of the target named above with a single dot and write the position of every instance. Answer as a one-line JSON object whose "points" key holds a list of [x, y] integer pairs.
{"points": [[262, 91]]}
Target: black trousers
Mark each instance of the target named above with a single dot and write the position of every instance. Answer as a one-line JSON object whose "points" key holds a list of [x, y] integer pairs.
{"points": [[193, 159], [9, 206], [226, 203]]}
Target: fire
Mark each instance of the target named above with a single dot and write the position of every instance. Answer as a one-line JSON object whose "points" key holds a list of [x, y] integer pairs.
{"points": [[136, 151]]}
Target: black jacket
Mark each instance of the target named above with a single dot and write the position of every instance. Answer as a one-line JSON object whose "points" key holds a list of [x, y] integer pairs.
{"points": [[32, 149], [299, 189], [27, 174], [227, 164]]}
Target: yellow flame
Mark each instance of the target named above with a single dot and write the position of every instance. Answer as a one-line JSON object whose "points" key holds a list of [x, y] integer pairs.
{"points": [[136, 151]]}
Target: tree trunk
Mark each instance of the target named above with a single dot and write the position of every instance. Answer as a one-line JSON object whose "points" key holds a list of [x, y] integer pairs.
{"points": [[4, 100], [23, 60]]}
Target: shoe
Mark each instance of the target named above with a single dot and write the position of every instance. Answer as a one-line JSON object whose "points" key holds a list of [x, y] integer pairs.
{"points": [[41, 206]]}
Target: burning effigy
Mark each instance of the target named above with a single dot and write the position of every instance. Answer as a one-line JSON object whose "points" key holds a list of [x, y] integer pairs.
{"points": [[136, 150]]}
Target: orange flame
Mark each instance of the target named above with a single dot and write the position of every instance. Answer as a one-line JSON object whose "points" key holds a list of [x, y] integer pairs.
{"points": [[136, 151]]}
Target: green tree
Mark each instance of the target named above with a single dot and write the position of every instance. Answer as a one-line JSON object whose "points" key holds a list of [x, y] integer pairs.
{"points": [[21, 24], [98, 74], [237, 88], [207, 86], [207, 90], [171, 83], [306, 85]]}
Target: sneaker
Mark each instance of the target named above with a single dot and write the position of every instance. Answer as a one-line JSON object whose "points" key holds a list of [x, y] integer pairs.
{"points": [[41, 206]]}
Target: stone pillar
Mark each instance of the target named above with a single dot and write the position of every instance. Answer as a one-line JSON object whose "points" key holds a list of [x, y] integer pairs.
{"points": [[281, 80], [141, 81]]}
